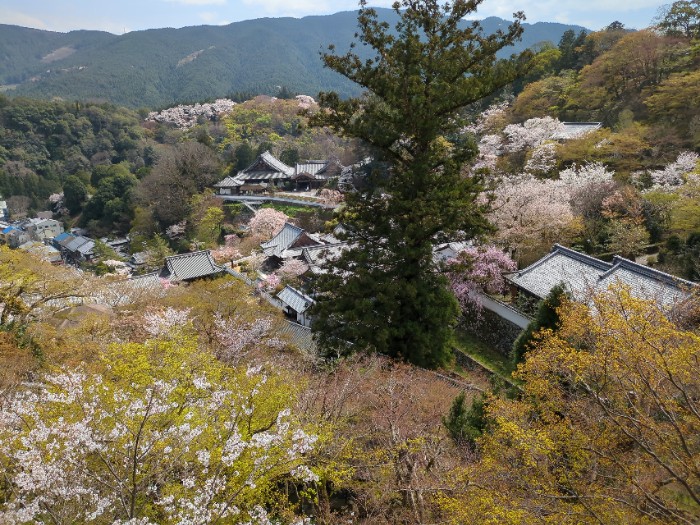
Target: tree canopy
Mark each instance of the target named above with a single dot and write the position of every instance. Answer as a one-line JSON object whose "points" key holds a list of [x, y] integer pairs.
{"points": [[384, 294], [606, 430]]}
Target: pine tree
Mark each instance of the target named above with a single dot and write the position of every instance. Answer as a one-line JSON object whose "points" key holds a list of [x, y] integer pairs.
{"points": [[466, 425], [547, 317], [384, 294]]}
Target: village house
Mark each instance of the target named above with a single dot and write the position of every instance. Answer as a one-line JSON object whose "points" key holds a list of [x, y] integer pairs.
{"points": [[74, 248], [14, 236], [267, 171], [40, 229], [449, 250]]}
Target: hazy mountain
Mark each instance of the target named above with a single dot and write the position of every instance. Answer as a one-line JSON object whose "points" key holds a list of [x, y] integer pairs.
{"points": [[159, 67]]}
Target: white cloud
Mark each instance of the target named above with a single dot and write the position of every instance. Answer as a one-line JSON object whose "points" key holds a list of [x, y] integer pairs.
{"points": [[10, 17], [593, 14], [300, 8], [211, 18], [198, 2]]}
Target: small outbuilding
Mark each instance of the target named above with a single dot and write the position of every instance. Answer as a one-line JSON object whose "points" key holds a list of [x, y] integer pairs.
{"points": [[296, 304]]}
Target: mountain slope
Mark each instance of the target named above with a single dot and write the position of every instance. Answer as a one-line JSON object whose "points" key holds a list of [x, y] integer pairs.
{"points": [[159, 67]]}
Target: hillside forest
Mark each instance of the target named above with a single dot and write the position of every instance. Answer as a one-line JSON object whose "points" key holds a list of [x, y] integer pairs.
{"points": [[640, 85], [161, 67], [197, 404]]}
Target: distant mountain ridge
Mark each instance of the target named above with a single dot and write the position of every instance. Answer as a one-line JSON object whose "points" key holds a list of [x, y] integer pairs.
{"points": [[160, 67]]}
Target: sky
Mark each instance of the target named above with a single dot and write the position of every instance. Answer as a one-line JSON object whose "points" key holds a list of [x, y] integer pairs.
{"points": [[121, 16]]}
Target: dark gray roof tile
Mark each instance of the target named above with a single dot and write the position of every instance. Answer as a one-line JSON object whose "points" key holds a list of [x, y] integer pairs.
{"points": [[296, 300], [582, 274], [300, 336], [189, 266]]}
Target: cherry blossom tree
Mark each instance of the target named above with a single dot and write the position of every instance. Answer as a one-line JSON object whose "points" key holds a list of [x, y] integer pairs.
{"points": [[255, 261], [267, 222], [531, 133], [270, 282], [176, 231], [237, 337], [225, 254], [305, 101], [491, 120], [543, 159], [477, 270], [490, 148], [532, 214], [581, 175], [165, 322], [167, 434], [186, 116], [676, 173]]}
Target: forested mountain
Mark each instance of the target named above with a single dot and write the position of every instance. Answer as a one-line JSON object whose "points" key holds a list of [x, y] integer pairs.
{"points": [[158, 67]]}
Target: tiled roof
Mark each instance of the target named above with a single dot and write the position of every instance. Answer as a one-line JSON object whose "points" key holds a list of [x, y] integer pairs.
{"points": [[583, 274], [276, 168], [229, 182], [190, 266], [277, 164], [86, 248], [449, 250], [49, 222], [646, 282], [79, 244], [317, 256], [300, 336], [242, 177], [283, 240], [296, 300], [312, 167], [573, 130], [145, 281]]}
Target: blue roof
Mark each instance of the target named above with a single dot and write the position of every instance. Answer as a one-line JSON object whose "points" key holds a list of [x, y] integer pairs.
{"points": [[61, 236], [9, 229]]}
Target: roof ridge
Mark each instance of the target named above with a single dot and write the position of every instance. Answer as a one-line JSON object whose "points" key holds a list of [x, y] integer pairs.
{"points": [[328, 245], [583, 257], [622, 262], [188, 254], [298, 292], [572, 254]]}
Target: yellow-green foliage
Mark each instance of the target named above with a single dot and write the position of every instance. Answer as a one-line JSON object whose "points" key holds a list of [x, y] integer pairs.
{"points": [[607, 417], [165, 433]]}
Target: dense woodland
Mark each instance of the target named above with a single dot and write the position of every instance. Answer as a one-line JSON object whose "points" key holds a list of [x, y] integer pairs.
{"points": [[160, 67], [194, 404]]}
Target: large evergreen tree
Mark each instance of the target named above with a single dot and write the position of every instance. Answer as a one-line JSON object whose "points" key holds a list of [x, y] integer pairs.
{"points": [[384, 294]]}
